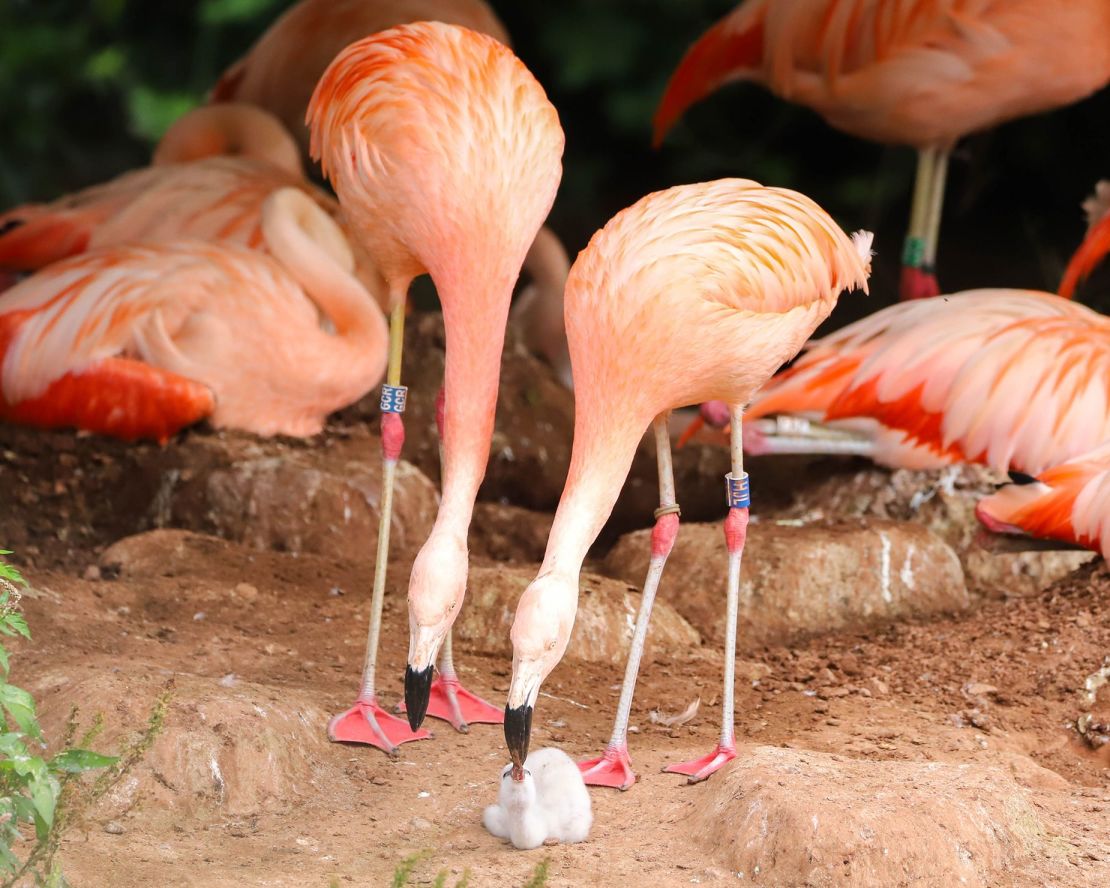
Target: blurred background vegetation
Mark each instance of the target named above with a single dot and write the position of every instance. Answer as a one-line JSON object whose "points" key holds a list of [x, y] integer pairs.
{"points": [[87, 87]]}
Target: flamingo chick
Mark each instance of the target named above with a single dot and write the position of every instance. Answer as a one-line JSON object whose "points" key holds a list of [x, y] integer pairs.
{"points": [[696, 293], [923, 73], [139, 341], [446, 155]]}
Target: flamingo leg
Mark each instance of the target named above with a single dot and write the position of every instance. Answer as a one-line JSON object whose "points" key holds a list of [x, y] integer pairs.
{"points": [[366, 721], [614, 767], [448, 699], [918, 280], [935, 209], [736, 528]]}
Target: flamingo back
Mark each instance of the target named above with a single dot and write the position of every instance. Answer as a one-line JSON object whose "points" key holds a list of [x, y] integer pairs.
{"points": [[917, 72], [1012, 378], [719, 283], [443, 148]]}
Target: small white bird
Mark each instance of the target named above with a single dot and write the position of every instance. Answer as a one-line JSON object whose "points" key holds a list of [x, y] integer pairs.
{"points": [[546, 801]]}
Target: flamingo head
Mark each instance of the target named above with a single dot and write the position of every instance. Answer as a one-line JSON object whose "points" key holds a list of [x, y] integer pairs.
{"points": [[436, 591], [541, 630]]}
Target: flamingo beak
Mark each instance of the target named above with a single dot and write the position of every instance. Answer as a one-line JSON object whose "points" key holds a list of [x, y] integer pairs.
{"points": [[1091, 252], [418, 689], [523, 690]]}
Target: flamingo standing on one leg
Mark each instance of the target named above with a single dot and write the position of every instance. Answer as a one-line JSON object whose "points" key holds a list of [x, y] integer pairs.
{"points": [[696, 293], [140, 340], [446, 155], [923, 73]]}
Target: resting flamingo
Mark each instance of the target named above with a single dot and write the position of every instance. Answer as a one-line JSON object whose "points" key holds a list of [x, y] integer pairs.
{"points": [[695, 293], [138, 341], [1015, 379], [922, 73], [187, 193], [446, 156], [1069, 502]]}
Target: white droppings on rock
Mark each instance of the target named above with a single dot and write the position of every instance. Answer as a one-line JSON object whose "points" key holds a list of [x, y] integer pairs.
{"points": [[906, 573], [884, 568]]}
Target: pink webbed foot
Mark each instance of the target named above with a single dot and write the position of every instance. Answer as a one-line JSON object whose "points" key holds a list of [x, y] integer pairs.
{"points": [[366, 722], [613, 769], [917, 283], [699, 769], [453, 703]]}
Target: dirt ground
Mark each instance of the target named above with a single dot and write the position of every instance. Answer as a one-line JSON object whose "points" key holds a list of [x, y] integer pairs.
{"points": [[257, 648]]}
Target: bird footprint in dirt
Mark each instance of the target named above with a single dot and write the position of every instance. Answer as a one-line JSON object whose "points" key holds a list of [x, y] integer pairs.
{"points": [[549, 803]]}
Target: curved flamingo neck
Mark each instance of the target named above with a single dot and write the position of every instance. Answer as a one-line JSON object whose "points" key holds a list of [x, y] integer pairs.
{"points": [[230, 129], [310, 246]]}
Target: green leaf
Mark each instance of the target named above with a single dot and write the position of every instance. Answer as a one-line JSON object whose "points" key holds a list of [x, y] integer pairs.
{"points": [[220, 12], [151, 111], [74, 761], [44, 795], [18, 623], [4, 660], [107, 65], [21, 707]]}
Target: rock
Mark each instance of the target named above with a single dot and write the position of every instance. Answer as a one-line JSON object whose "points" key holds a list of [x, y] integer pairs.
{"points": [[114, 828], [241, 749], [791, 817], [270, 494], [530, 449], [602, 629], [943, 501], [508, 533], [801, 580]]}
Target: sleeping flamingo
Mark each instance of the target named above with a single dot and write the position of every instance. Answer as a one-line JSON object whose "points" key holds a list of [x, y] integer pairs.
{"points": [[923, 73], [1016, 379], [185, 194], [139, 341], [1069, 502], [446, 155], [695, 293]]}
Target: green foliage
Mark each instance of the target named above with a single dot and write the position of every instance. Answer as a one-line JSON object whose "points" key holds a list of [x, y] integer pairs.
{"points": [[31, 786], [402, 876]]}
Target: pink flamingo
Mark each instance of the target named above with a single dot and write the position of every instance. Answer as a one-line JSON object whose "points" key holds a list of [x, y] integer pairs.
{"points": [[923, 73], [445, 154], [696, 293], [190, 192], [1069, 502], [1095, 245], [1015, 379], [139, 341], [281, 69]]}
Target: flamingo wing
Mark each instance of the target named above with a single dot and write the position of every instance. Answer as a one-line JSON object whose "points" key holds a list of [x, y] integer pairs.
{"points": [[85, 342]]}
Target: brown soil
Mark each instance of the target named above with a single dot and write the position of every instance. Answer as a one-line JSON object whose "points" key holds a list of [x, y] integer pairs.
{"points": [[257, 647]]}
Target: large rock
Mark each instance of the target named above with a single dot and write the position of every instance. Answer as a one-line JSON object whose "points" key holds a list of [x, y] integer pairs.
{"points": [[943, 501], [602, 629], [791, 817], [801, 580], [237, 747], [291, 496], [508, 533]]}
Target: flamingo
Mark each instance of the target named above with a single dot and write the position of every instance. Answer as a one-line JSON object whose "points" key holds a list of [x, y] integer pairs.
{"points": [[279, 71], [446, 155], [283, 66], [695, 293], [138, 341], [922, 73], [1015, 379], [211, 197], [1069, 502], [1096, 243]]}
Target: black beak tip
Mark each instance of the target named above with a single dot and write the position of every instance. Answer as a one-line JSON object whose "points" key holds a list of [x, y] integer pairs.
{"points": [[518, 730], [418, 687]]}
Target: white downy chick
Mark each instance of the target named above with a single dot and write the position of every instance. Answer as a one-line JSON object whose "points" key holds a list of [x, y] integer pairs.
{"points": [[550, 803]]}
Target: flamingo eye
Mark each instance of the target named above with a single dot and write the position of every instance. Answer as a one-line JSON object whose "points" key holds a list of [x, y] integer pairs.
{"points": [[551, 645]]}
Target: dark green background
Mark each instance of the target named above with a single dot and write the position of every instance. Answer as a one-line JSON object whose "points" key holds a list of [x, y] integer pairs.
{"points": [[85, 87]]}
